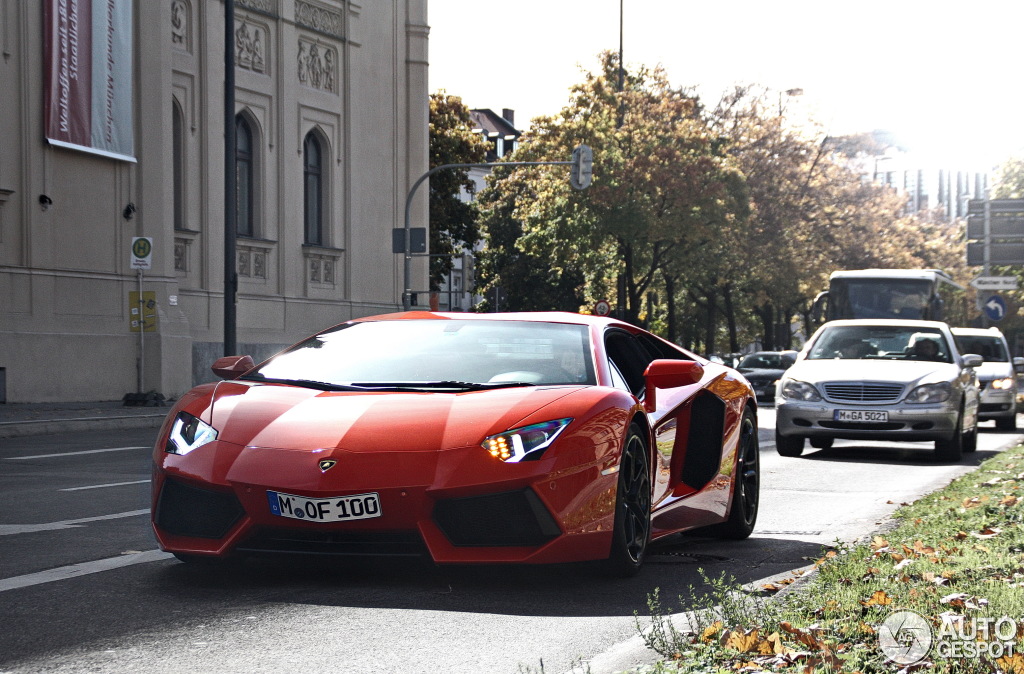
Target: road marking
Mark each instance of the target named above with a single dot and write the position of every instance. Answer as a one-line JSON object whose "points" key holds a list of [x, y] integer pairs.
{"points": [[85, 451], [8, 529], [100, 486], [83, 569]]}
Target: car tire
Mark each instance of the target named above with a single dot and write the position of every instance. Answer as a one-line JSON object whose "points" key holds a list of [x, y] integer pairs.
{"points": [[1009, 424], [746, 493], [822, 443], [789, 446], [952, 448], [971, 441], [632, 529]]}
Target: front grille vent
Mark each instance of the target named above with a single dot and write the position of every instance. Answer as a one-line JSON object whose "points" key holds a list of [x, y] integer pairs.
{"points": [[863, 392]]}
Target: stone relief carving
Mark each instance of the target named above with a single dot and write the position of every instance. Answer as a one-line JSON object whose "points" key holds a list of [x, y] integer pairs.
{"points": [[319, 18], [267, 6], [252, 263], [317, 66], [321, 270], [180, 255], [249, 43], [179, 23]]}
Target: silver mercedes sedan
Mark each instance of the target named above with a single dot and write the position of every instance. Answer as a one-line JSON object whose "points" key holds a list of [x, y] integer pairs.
{"points": [[880, 380]]}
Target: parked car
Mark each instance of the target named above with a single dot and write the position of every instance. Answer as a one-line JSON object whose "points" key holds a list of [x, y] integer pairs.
{"points": [[997, 375], [763, 369], [880, 380], [467, 438]]}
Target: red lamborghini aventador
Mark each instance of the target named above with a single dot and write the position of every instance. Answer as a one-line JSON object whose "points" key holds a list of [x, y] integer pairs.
{"points": [[469, 438]]}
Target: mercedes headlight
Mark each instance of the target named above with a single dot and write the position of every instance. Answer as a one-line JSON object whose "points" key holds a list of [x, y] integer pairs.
{"points": [[798, 390], [931, 393], [188, 433], [525, 443]]}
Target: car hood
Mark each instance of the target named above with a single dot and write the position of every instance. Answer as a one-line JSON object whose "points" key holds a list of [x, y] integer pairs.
{"points": [[290, 417], [761, 371], [894, 371], [990, 371]]}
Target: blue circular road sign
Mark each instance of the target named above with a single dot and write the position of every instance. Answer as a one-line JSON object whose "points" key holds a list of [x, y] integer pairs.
{"points": [[994, 308]]}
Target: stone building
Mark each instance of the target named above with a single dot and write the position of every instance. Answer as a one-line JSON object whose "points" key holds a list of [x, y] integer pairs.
{"points": [[331, 118]]}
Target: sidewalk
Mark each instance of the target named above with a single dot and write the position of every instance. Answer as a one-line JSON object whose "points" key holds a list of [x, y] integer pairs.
{"points": [[21, 419]]}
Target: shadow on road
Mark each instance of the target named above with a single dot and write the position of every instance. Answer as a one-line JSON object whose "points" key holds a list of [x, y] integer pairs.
{"points": [[899, 454], [674, 565]]}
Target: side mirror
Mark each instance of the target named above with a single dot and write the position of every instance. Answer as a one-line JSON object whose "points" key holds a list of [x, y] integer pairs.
{"points": [[1018, 364], [232, 367], [972, 360], [666, 373]]}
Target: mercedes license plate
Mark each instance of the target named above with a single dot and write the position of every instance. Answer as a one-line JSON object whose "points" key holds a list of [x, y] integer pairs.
{"points": [[870, 416], [329, 509]]}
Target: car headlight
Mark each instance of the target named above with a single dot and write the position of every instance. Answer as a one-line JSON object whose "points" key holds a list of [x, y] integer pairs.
{"points": [[188, 433], [931, 393], [525, 443], [798, 390], [1004, 384]]}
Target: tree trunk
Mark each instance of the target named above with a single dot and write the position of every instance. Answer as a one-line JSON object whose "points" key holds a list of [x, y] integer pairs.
{"points": [[709, 325], [730, 318], [766, 312], [670, 307]]}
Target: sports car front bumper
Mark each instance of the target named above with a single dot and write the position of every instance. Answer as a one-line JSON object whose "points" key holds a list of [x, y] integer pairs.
{"points": [[457, 506]]}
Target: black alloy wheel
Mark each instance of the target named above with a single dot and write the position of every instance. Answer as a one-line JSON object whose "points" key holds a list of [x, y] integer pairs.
{"points": [[632, 528], [747, 490]]}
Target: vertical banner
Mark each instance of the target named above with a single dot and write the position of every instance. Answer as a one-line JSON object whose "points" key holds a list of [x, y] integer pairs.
{"points": [[88, 69]]}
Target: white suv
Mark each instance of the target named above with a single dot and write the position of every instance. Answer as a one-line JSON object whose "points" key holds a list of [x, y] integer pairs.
{"points": [[997, 376]]}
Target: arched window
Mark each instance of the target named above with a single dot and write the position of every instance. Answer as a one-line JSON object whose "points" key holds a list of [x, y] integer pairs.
{"points": [[313, 189], [178, 149], [244, 163]]}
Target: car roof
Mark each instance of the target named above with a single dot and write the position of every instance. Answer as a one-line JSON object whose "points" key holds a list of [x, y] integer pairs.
{"points": [[531, 316], [888, 322], [979, 332]]}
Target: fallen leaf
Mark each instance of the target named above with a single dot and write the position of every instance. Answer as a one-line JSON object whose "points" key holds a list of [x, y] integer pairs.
{"points": [[1011, 664], [710, 631], [742, 641], [879, 598], [987, 532]]}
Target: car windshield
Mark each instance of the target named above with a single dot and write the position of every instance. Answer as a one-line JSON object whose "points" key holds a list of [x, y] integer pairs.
{"points": [[766, 361], [991, 349], [881, 342], [436, 354]]}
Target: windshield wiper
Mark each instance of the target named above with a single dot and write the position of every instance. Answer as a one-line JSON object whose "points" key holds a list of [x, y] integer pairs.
{"points": [[305, 383], [436, 385]]}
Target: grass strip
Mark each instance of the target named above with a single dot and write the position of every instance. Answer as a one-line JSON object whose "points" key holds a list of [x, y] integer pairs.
{"points": [[954, 558]]}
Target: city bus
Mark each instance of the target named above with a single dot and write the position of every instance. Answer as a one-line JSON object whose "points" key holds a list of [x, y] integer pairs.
{"points": [[916, 294]]}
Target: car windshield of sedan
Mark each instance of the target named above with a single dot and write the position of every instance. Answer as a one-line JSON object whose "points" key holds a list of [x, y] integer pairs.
{"points": [[881, 343], [989, 348], [766, 361], [436, 355]]}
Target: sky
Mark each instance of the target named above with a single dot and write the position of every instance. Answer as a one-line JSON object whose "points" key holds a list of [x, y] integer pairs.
{"points": [[941, 75]]}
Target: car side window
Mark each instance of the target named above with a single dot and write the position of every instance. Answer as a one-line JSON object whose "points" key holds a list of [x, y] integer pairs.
{"points": [[618, 381], [630, 357], [659, 349]]}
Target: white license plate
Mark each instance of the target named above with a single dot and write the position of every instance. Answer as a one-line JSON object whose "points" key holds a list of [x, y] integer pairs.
{"points": [[861, 415], [329, 509]]}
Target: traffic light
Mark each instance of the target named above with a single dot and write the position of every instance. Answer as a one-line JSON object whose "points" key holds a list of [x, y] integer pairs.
{"points": [[581, 168]]}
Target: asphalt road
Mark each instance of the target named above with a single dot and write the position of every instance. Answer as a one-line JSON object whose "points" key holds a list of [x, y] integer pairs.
{"points": [[83, 587]]}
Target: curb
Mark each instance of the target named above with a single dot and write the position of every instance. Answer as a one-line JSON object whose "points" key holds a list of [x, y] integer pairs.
{"points": [[18, 429]]}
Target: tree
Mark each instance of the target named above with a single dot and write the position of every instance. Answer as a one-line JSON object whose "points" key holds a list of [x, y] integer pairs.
{"points": [[453, 222]]}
